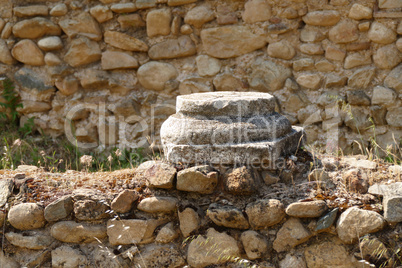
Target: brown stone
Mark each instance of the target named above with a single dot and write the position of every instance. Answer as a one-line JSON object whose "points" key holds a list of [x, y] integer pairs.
{"points": [[387, 57], [34, 107], [144, 4], [50, 43], [389, 4], [130, 20], [27, 52], [82, 51], [264, 213], [256, 10], [333, 53], [268, 76], [124, 41], [379, 33], [356, 59], [123, 8], [311, 34], [311, 209], [241, 181], [291, 234], [35, 28], [180, 2], [158, 174], [83, 25], [124, 201], [324, 66], [7, 30], [52, 59], [357, 46], [227, 216], [153, 75], [322, 18], [364, 26], [344, 32], [29, 11], [26, 216], [311, 49], [303, 64], [360, 12], [158, 22], [230, 41], [5, 54], [311, 81], [158, 204], [199, 16], [101, 13], [117, 60], [73, 232], [225, 15], [229, 82], [189, 221], [174, 48], [361, 78], [59, 10], [283, 50]]}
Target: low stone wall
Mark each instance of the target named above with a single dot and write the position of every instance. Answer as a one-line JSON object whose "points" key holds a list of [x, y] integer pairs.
{"points": [[201, 217], [121, 64]]}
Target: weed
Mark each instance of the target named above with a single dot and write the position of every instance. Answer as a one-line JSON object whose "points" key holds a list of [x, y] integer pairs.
{"points": [[11, 102]]}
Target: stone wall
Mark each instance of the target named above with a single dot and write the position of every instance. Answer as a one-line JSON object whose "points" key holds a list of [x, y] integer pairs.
{"points": [[200, 217], [124, 62]]}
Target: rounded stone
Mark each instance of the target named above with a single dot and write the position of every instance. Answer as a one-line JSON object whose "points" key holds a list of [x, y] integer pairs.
{"points": [[158, 204], [27, 52], [379, 33], [50, 43], [344, 32], [265, 213], [153, 75], [226, 104], [387, 57], [27, 216], [254, 244], [311, 209]]}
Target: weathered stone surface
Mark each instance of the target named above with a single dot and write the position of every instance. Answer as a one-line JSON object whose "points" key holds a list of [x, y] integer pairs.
{"points": [[8, 262], [207, 66], [91, 78], [34, 85], [35, 28], [73, 232], [229, 82], [160, 204], [265, 213], [383, 96], [130, 21], [344, 32], [6, 189], [311, 34], [167, 234], [199, 15], [65, 256], [124, 201], [180, 2], [256, 10], [292, 261], [268, 76], [112, 60], [27, 52], [322, 18], [90, 205], [101, 13], [52, 59], [153, 75], [31, 10], [333, 53], [283, 50], [201, 179], [59, 209], [387, 57], [360, 119], [194, 85], [333, 80], [374, 249], [173, 48], [82, 51], [394, 79], [26, 216], [254, 244], [356, 59], [34, 107], [379, 33], [389, 4], [189, 221], [230, 41], [291, 234], [50, 43], [327, 220], [355, 222], [5, 54], [241, 181], [360, 12], [154, 256], [227, 216], [216, 248], [310, 209], [83, 25], [329, 254], [158, 22], [394, 117], [59, 10], [123, 7], [393, 208], [357, 97], [144, 4], [303, 64], [32, 240], [311, 49], [361, 78], [124, 41], [158, 174], [311, 81]]}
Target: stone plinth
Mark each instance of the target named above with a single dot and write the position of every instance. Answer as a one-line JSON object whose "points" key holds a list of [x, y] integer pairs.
{"points": [[228, 128]]}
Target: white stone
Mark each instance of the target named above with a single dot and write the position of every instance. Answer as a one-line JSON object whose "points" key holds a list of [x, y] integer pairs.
{"points": [[207, 66], [26, 216], [50, 43]]}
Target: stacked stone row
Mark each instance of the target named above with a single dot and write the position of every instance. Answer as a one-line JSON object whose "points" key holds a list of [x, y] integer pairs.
{"points": [[169, 231], [309, 54]]}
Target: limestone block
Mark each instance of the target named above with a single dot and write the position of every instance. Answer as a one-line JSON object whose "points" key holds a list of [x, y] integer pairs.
{"points": [[364, 26], [26, 216], [7, 30], [50, 43], [312, 209], [158, 174], [59, 10], [389, 4], [230, 41], [199, 15], [126, 232], [158, 22], [30, 11], [379, 33], [201, 179], [311, 34], [124, 41], [82, 51], [27, 52], [311, 81], [303, 64], [207, 66], [225, 15], [73, 232], [123, 201], [283, 50], [101, 13], [173, 48], [394, 117], [392, 209], [189, 221], [35, 85], [144, 4], [240, 181], [35, 28], [111, 60], [356, 59], [358, 97], [124, 8], [387, 57], [32, 240], [159, 204], [256, 10], [84, 25], [153, 75], [311, 49], [360, 12], [180, 2], [333, 53], [344, 32], [34, 107], [322, 18]]}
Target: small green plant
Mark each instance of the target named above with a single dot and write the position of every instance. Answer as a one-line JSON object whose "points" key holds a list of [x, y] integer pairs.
{"points": [[27, 128], [11, 101]]}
